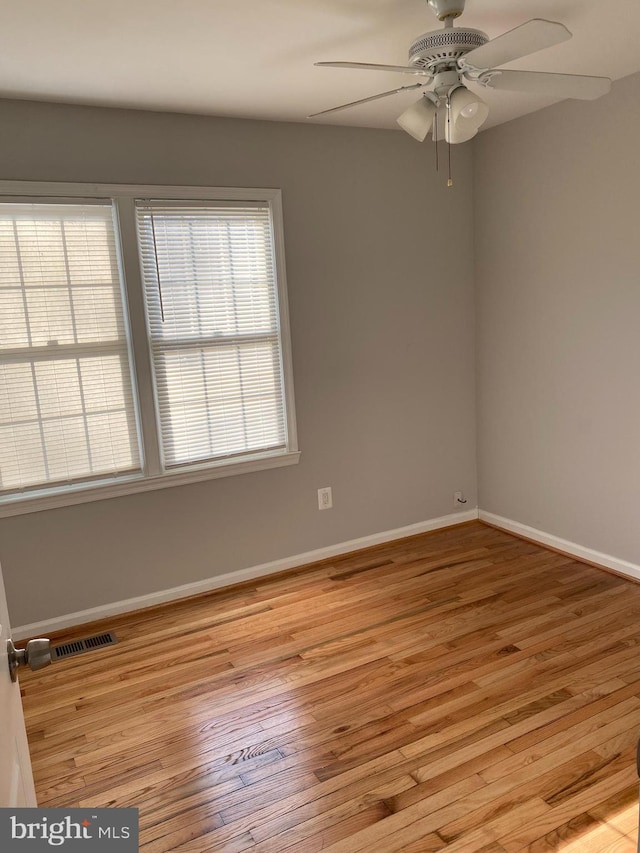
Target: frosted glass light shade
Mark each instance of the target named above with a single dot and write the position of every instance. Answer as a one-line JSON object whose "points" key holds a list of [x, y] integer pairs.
{"points": [[417, 120], [454, 134], [467, 112]]}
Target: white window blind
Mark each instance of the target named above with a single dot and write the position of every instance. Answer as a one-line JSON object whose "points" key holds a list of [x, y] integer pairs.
{"points": [[212, 310], [66, 404]]}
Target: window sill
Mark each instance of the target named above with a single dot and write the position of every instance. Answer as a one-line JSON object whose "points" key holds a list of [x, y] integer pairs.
{"points": [[71, 495]]}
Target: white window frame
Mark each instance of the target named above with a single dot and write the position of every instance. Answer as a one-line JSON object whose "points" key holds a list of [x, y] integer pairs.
{"points": [[123, 197]]}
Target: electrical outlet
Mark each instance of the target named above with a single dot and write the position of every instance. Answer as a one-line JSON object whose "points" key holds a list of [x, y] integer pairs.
{"points": [[325, 501], [458, 500]]}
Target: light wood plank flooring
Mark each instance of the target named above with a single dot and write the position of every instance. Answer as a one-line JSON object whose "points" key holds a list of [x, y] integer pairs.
{"points": [[460, 690]]}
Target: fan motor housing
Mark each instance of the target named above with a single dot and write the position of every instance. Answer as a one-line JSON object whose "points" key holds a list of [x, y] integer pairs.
{"points": [[443, 48]]}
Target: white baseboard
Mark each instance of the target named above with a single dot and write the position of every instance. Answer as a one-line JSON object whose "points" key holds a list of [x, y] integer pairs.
{"points": [[60, 623], [598, 558]]}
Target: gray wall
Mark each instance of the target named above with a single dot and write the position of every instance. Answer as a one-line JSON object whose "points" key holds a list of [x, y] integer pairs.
{"points": [[380, 275], [558, 300]]}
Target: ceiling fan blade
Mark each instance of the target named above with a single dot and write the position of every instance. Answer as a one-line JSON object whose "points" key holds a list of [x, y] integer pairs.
{"points": [[554, 85], [365, 100], [521, 41], [370, 66]]}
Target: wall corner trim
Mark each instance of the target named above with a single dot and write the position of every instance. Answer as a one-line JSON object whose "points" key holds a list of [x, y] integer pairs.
{"points": [[564, 546], [60, 623]]}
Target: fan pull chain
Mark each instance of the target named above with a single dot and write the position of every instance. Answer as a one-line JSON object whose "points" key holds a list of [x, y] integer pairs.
{"points": [[435, 137], [449, 178]]}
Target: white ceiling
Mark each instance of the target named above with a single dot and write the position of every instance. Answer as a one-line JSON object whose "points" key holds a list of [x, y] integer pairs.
{"points": [[254, 58]]}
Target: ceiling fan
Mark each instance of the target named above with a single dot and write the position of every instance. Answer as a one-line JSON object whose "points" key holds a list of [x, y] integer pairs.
{"points": [[448, 59]]}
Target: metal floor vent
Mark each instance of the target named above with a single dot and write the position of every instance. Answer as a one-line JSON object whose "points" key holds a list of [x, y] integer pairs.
{"points": [[87, 644]]}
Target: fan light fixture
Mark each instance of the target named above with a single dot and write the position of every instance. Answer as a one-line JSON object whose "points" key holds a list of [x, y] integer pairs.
{"points": [[467, 111], [442, 62], [418, 119]]}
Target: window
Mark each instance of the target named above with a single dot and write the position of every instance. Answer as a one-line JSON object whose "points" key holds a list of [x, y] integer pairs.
{"points": [[210, 288], [143, 341], [66, 405]]}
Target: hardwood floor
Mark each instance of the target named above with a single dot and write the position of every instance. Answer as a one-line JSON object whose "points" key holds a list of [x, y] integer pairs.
{"points": [[460, 690]]}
